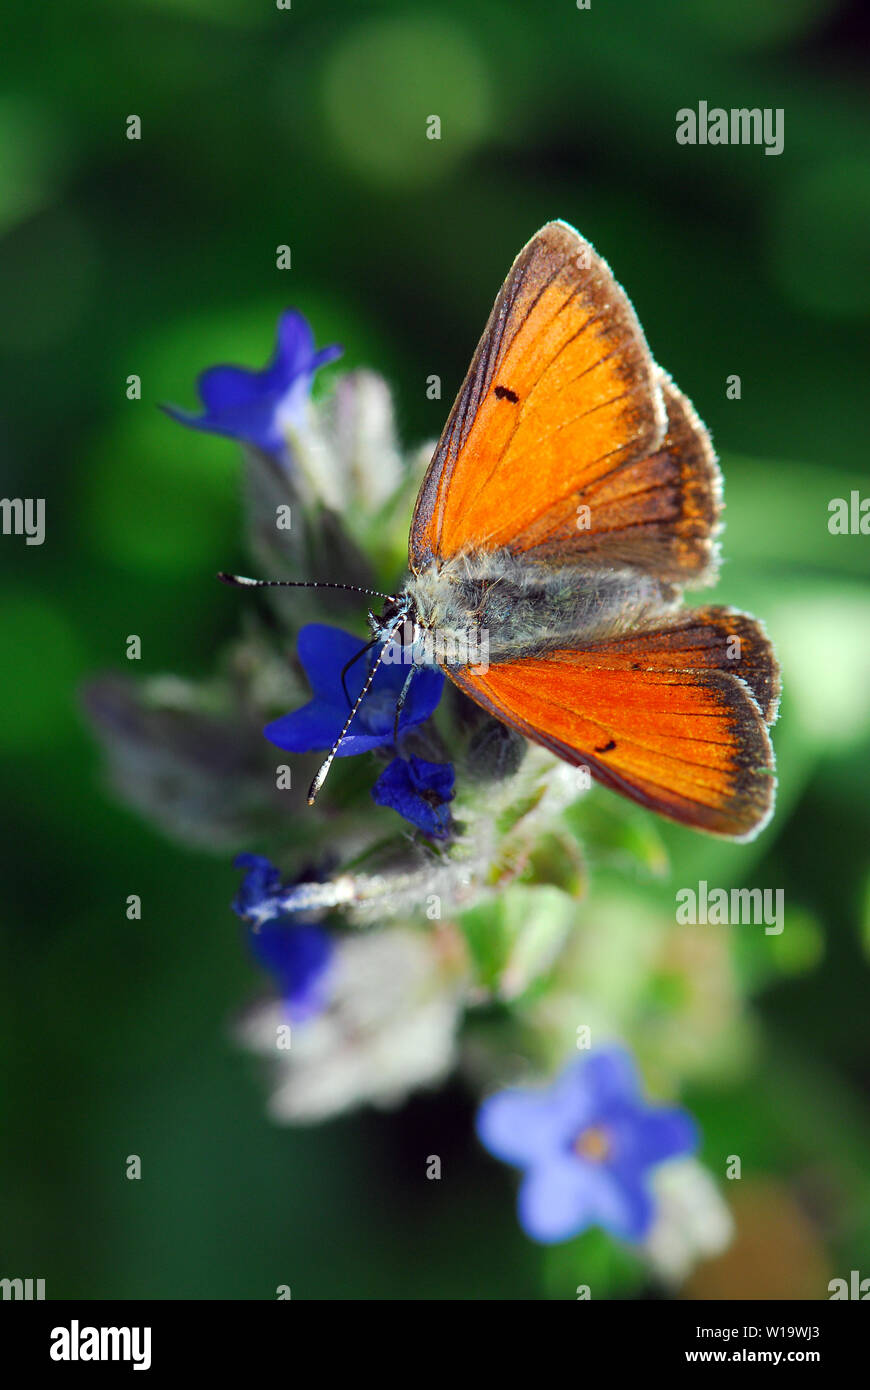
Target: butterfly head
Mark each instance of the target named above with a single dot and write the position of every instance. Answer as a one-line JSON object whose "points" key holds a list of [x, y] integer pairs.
{"points": [[398, 610]]}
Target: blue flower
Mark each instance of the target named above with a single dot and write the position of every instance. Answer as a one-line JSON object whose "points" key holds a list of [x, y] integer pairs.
{"points": [[297, 956], [587, 1145], [324, 651], [258, 406], [419, 791]]}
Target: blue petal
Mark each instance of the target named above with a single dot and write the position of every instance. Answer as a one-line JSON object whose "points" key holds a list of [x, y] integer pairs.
{"points": [[323, 651], [326, 355], [612, 1078], [652, 1136], [261, 880], [556, 1200], [228, 388], [574, 1097], [564, 1195], [315, 727], [297, 957], [257, 862], [624, 1207], [525, 1126], [437, 778], [294, 351], [255, 424], [295, 360], [311, 729], [420, 791]]}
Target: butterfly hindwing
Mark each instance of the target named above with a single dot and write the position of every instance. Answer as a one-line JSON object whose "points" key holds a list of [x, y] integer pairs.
{"points": [[674, 717]]}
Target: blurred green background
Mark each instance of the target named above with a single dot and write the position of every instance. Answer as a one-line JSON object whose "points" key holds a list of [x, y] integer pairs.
{"points": [[157, 257]]}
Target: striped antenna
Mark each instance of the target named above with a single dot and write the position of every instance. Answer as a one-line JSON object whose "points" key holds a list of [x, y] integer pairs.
{"points": [[241, 581]]}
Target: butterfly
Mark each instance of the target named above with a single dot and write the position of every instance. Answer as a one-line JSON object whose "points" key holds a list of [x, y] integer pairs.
{"points": [[572, 496]]}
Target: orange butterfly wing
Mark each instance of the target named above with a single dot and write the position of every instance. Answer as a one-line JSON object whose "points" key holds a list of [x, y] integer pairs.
{"points": [[660, 514], [562, 395], [670, 717]]}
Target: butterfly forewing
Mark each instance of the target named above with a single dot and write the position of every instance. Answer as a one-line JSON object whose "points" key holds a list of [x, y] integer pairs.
{"points": [[659, 514], [562, 391]]}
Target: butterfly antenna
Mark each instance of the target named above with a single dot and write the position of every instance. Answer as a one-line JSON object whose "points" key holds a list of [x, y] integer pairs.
{"points": [[327, 762], [241, 581]]}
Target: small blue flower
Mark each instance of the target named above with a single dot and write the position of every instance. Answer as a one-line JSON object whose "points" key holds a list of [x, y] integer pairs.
{"points": [[419, 791], [297, 956], [324, 651], [258, 406], [587, 1145]]}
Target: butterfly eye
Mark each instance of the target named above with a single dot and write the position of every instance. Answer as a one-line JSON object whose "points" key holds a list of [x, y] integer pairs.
{"points": [[390, 613]]}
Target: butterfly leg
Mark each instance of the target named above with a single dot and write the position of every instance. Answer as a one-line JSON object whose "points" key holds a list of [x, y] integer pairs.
{"points": [[347, 665], [403, 695]]}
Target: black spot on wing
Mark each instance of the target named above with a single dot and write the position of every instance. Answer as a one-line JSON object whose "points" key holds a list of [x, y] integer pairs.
{"points": [[607, 747], [504, 393]]}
